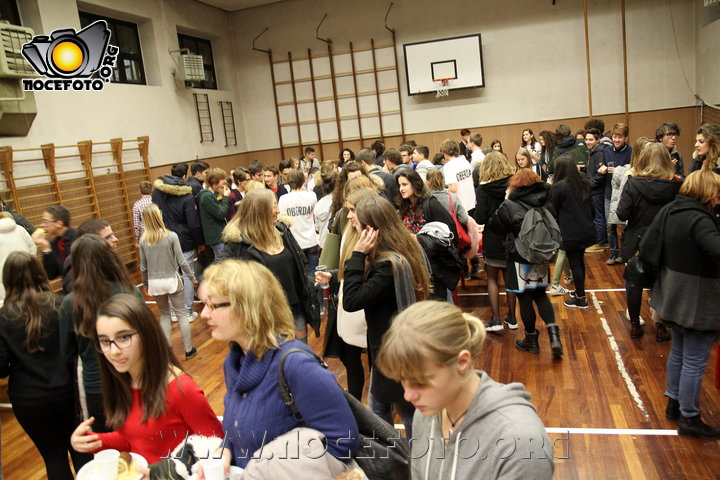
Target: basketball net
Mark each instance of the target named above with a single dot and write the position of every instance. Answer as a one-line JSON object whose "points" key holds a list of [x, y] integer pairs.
{"points": [[442, 85]]}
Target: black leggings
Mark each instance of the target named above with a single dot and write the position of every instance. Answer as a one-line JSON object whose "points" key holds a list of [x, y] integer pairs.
{"points": [[634, 295], [49, 425], [576, 258], [351, 358], [527, 312]]}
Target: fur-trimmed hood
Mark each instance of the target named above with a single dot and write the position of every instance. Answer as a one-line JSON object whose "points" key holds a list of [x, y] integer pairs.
{"points": [[172, 186]]}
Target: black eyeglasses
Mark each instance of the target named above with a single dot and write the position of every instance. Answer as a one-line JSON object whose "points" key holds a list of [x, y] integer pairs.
{"points": [[215, 306], [121, 342], [672, 134]]}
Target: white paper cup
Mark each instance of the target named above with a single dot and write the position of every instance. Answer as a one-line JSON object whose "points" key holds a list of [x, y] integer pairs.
{"points": [[105, 464], [213, 469]]}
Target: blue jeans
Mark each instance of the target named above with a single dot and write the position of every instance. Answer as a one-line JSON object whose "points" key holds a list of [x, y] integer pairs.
{"points": [[611, 232], [598, 200], [686, 365], [217, 248], [187, 283]]}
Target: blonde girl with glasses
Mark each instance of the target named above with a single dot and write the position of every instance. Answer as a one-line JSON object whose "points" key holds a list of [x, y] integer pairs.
{"points": [[160, 258], [150, 402]]}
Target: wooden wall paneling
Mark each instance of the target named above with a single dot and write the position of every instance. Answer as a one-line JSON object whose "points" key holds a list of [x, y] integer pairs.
{"points": [[357, 95], [85, 148], [295, 104], [315, 101], [334, 93]]}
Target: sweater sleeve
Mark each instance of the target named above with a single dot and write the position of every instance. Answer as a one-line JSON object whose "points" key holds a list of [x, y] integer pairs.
{"points": [[113, 440], [322, 404], [143, 264], [360, 293], [706, 233], [195, 409], [210, 205], [179, 257]]}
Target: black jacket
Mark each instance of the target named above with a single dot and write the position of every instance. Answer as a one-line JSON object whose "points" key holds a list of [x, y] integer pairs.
{"points": [[180, 215], [237, 247], [375, 293], [640, 201], [575, 217], [595, 161], [34, 377], [510, 215], [489, 197], [195, 184], [53, 261]]}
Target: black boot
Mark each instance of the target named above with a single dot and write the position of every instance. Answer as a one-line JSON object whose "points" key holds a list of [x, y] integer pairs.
{"points": [[694, 427], [672, 411], [529, 343], [555, 345]]}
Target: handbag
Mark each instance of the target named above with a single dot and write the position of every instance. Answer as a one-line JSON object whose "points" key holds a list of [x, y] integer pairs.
{"points": [[463, 236], [383, 454], [330, 256], [640, 272]]}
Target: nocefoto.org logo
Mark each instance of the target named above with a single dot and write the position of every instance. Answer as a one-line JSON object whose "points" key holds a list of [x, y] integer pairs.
{"points": [[70, 58]]}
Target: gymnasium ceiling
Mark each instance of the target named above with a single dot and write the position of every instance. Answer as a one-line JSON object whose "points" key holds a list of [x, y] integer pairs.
{"points": [[234, 5]]}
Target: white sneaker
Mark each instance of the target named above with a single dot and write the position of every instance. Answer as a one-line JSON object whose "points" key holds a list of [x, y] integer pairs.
{"points": [[173, 317], [558, 290], [627, 315], [192, 317]]}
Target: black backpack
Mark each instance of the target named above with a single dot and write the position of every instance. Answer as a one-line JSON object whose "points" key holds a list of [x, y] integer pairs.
{"points": [[383, 454], [539, 238]]}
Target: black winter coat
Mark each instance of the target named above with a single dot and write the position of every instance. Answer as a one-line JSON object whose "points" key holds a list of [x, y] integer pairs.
{"points": [[640, 201], [374, 293], [595, 161], [575, 217], [489, 197], [180, 215], [242, 249], [510, 215]]}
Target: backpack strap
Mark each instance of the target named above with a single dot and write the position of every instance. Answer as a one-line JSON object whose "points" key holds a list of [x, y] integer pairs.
{"points": [[284, 388]]}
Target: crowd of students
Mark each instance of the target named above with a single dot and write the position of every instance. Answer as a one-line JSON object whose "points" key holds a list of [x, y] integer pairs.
{"points": [[394, 233]]}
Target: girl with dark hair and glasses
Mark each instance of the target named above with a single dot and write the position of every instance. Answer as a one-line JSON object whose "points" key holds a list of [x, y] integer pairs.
{"points": [[150, 402], [40, 386]]}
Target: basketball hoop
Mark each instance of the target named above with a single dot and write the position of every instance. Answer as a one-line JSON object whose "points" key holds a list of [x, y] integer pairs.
{"points": [[442, 85]]}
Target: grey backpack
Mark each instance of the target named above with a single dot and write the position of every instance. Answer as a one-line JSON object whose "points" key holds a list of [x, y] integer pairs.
{"points": [[539, 237]]}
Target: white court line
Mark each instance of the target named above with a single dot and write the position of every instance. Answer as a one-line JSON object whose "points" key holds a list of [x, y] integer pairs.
{"points": [[618, 358]]}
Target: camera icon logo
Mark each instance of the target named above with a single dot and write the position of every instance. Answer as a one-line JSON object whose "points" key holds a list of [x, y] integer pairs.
{"points": [[68, 55]]}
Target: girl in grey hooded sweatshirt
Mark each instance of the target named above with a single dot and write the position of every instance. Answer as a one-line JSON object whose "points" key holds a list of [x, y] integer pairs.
{"points": [[466, 425]]}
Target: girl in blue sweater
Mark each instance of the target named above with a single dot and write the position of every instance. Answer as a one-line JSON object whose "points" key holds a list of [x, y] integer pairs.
{"points": [[246, 306]]}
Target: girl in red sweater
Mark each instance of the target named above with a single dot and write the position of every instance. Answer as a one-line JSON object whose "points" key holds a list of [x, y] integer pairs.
{"points": [[149, 401]]}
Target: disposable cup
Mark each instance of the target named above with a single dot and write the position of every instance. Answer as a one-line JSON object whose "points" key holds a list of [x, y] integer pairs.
{"points": [[106, 464], [213, 469]]}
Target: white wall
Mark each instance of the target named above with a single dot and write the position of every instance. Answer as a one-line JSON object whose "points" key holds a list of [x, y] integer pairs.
{"points": [[163, 109], [708, 46], [533, 52]]}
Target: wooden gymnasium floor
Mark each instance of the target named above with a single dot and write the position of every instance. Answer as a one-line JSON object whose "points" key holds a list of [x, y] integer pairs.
{"points": [[603, 402]]}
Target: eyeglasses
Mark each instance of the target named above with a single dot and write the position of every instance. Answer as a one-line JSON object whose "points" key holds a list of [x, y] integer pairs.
{"points": [[214, 306], [672, 134], [121, 342]]}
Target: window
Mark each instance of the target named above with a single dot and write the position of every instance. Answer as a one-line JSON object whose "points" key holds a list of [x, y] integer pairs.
{"points": [[198, 46], [9, 12], [124, 35]]}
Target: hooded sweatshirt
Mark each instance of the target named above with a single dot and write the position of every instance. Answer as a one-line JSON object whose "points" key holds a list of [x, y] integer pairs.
{"points": [[13, 238], [500, 437]]}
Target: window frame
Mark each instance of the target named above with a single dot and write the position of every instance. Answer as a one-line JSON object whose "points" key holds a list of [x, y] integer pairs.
{"points": [[123, 55], [207, 66], [12, 4]]}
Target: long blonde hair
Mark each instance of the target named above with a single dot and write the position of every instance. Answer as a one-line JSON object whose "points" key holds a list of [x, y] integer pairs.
{"points": [[654, 162], [637, 149], [350, 235], [393, 237], [495, 166], [428, 332], [155, 229], [253, 220], [258, 302]]}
